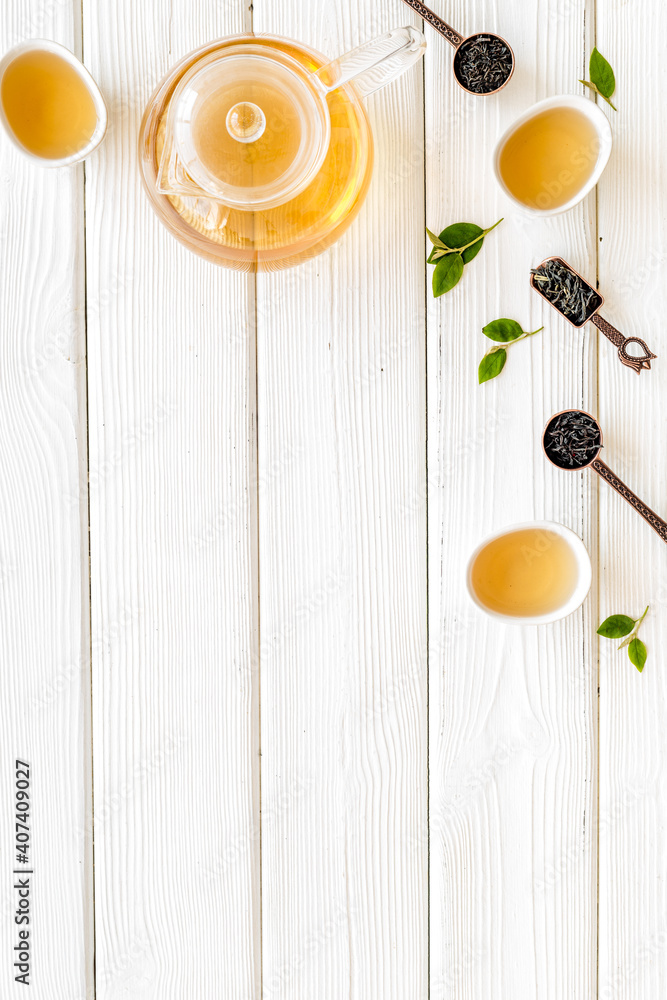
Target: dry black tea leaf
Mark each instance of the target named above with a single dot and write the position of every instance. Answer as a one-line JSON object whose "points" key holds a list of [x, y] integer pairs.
{"points": [[483, 63], [573, 297], [572, 439]]}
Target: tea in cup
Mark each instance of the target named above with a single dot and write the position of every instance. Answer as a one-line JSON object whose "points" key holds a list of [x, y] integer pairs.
{"points": [[50, 106], [553, 155], [530, 574]]}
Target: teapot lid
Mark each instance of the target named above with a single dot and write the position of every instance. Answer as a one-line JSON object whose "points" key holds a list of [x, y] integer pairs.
{"points": [[250, 126]]}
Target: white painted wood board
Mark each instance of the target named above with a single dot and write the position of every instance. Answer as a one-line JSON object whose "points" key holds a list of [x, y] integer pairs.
{"points": [[341, 412], [633, 567], [173, 556], [513, 713], [44, 611], [265, 569]]}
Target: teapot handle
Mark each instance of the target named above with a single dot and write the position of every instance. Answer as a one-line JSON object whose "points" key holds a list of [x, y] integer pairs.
{"points": [[375, 64]]}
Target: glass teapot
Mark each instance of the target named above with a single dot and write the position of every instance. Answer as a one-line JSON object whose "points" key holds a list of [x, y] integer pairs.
{"points": [[257, 152]]}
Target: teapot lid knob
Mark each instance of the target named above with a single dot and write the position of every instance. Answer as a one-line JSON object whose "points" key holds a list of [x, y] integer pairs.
{"points": [[246, 122]]}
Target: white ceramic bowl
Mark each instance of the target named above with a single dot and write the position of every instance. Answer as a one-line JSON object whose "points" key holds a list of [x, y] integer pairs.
{"points": [[45, 45], [584, 573], [602, 127]]}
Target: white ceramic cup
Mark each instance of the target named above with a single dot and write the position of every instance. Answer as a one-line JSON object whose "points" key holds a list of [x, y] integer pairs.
{"points": [[45, 45], [602, 127], [584, 573]]}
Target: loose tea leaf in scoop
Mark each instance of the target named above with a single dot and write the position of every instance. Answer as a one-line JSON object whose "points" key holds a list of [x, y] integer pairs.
{"points": [[573, 297], [572, 439], [578, 302], [483, 64]]}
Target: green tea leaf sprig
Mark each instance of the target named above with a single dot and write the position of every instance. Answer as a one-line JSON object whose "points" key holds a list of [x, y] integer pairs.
{"points": [[455, 247], [618, 626], [503, 331], [602, 81]]}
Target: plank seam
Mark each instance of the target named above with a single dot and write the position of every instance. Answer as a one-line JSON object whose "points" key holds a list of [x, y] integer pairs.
{"points": [[89, 942], [428, 582], [596, 525], [249, 27]]}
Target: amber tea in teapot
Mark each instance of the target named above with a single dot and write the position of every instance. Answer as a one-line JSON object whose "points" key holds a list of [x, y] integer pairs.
{"points": [[257, 153]]}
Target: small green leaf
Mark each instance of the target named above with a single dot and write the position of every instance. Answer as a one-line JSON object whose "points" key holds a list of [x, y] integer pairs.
{"points": [[637, 653], [616, 626], [465, 237], [503, 330], [602, 81], [492, 364], [459, 235], [447, 273], [436, 241], [602, 75], [592, 87], [455, 237]]}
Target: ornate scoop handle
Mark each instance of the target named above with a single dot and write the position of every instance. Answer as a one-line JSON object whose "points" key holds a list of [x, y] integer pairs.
{"points": [[649, 515], [618, 340], [436, 22]]}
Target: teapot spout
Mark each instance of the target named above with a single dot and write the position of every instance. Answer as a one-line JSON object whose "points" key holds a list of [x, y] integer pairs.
{"points": [[375, 64]]}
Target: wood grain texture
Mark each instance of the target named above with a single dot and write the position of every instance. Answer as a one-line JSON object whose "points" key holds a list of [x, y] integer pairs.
{"points": [[341, 412], [173, 516], [512, 711], [44, 661], [633, 567], [313, 445]]}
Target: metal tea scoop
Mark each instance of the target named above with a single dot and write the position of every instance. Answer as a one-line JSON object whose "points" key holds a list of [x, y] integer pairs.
{"points": [[572, 440], [576, 300], [483, 63]]}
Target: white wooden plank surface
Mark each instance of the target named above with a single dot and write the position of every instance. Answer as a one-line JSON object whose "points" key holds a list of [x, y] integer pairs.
{"points": [[341, 412], [173, 487], [512, 711], [633, 563], [309, 501], [44, 636]]}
